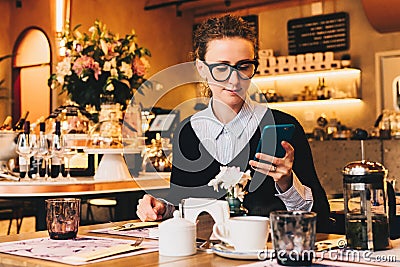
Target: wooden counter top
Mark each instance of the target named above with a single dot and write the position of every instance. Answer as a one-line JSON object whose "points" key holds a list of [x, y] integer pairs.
{"points": [[83, 186]]}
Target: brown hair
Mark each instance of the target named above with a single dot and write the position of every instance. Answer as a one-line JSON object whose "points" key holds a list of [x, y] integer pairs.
{"points": [[218, 28]]}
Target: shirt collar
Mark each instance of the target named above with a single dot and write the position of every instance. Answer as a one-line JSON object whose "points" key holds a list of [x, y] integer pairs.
{"points": [[237, 125]]}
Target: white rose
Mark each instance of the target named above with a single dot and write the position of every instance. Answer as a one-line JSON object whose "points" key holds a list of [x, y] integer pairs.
{"points": [[107, 66]]}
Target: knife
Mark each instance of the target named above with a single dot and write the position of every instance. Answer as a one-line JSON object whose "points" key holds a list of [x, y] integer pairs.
{"points": [[137, 225], [86, 256]]}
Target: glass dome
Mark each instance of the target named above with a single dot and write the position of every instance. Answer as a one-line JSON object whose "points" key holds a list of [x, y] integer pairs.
{"points": [[107, 132]]}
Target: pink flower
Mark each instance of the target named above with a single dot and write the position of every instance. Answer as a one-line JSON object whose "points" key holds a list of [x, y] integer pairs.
{"points": [[86, 63], [139, 67]]}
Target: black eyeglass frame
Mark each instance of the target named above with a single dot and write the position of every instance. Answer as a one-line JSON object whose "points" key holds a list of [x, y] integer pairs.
{"points": [[232, 68]]}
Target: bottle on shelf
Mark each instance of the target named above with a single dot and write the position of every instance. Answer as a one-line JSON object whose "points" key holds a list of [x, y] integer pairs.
{"points": [[19, 126], [384, 125], [34, 162], [56, 146], [321, 89], [42, 138], [6, 124]]}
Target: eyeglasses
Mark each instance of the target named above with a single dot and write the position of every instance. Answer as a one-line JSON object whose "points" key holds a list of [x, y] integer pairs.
{"points": [[221, 72]]}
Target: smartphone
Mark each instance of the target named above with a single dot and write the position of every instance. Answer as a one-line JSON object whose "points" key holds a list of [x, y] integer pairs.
{"points": [[271, 138]]}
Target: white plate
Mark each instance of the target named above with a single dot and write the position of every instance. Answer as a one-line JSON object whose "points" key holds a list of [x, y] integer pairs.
{"points": [[226, 252]]}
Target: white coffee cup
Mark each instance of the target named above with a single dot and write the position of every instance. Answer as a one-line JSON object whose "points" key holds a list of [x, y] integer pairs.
{"points": [[245, 233]]}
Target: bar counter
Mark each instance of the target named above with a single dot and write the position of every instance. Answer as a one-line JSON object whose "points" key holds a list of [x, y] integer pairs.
{"points": [[83, 186], [126, 191]]}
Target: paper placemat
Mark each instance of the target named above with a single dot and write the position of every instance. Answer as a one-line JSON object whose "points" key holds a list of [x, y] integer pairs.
{"points": [[58, 250], [147, 232]]}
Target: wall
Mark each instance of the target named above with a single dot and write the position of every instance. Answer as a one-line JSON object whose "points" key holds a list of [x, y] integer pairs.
{"points": [[167, 37], [329, 165], [5, 49]]}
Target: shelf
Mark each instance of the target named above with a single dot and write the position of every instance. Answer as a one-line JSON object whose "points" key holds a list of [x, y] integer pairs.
{"points": [[344, 101], [307, 75], [342, 83]]}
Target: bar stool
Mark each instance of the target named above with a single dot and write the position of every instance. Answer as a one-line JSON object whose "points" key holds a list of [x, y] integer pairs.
{"points": [[12, 210], [109, 203]]}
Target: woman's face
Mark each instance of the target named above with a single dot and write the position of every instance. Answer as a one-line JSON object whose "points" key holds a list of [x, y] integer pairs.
{"points": [[229, 51]]}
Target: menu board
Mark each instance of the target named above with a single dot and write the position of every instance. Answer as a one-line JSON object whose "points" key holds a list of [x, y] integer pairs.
{"points": [[252, 20], [320, 33]]}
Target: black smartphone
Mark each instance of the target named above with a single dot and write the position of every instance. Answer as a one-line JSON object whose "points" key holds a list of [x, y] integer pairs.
{"points": [[271, 138]]}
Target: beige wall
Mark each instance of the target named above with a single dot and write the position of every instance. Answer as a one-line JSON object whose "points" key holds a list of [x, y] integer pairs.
{"points": [[5, 107], [167, 37]]}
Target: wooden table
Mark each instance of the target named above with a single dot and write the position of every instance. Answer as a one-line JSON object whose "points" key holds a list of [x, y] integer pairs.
{"points": [[84, 187], [148, 259]]}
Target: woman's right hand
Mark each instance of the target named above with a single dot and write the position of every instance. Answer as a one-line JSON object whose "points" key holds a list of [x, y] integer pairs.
{"points": [[150, 208]]}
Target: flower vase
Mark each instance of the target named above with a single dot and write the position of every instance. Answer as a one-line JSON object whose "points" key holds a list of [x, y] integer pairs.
{"points": [[236, 207]]}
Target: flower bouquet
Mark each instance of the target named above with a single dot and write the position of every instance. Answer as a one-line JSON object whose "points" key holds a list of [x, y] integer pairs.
{"points": [[234, 181], [100, 66]]}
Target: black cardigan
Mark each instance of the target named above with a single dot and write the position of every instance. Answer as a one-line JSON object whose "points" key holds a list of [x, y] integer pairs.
{"points": [[193, 167]]}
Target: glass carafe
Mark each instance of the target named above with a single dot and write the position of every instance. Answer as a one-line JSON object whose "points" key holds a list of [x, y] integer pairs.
{"points": [[366, 205]]}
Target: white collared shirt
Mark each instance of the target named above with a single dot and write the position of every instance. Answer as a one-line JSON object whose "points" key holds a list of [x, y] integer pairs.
{"points": [[225, 141]]}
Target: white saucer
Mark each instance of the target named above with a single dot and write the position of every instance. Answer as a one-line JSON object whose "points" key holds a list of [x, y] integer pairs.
{"points": [[227, 252]]}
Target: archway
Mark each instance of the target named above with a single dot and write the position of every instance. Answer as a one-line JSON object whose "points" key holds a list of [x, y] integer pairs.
{"points": [[31, 69]]}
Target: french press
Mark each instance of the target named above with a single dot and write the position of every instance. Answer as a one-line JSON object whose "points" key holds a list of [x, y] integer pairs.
{"points": [[366, 205]]}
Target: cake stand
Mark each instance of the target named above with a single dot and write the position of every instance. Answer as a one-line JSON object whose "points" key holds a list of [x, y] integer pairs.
{"points": [[112, 165]]}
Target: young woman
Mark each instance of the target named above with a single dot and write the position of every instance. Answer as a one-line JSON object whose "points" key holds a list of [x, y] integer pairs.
{"points": [[227, 132]]}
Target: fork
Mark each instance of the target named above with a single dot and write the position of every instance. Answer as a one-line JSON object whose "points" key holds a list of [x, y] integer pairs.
{"points": [[138, 242]]}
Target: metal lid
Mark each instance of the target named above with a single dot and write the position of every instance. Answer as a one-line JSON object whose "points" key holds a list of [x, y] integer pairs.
{"points": [[364, 167]]}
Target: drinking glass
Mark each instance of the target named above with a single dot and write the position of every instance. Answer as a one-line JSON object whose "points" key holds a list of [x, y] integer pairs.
{"points": [[45, 151], [62, 217], [25, 149], [69, 151], [36, 155], [57, 148], [293, 237]]}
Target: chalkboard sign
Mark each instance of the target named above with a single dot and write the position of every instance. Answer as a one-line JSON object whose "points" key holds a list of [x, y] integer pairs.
{"points": [[252, 20], [320, 33]]}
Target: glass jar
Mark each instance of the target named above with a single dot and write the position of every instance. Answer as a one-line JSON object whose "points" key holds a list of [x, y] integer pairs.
{"points": [[107, 132], [366, 205]]}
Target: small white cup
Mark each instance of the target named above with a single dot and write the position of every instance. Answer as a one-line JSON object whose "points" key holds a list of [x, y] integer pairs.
{"points": [[309, 58], [246, 233], [318, 57], [329, 56]]}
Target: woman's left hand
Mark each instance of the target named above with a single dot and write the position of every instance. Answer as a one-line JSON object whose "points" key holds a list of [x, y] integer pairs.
{"points": [[280, 169]]}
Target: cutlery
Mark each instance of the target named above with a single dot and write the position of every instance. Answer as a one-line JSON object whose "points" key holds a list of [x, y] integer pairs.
{"points": [[9, 176], [105, 252], [131, 226]]}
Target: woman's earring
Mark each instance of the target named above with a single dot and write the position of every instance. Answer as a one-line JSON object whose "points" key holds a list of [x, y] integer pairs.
{"points": [[205, 89]]}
